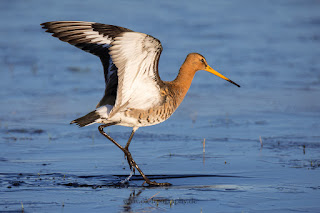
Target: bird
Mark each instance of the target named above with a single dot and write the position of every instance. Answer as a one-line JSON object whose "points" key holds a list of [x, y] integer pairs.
{"points": [[134, 95]]}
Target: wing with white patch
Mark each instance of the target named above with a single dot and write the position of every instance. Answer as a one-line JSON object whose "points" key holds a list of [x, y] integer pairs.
{"points": [[136, 55], [89, 36], [94, 38]]}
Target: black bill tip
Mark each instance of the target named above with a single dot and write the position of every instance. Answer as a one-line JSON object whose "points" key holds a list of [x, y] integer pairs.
{"points": [[234, 83]]}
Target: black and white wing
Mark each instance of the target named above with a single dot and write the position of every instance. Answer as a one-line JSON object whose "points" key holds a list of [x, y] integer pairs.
{"points": [[130, 60], [136, 56], [94, 38]]}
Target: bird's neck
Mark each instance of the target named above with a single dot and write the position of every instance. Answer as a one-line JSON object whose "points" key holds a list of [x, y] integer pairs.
{"points": [[183, 81]]}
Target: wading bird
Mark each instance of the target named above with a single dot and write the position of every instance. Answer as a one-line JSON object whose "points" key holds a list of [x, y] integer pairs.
{"points": [[135, 96]]}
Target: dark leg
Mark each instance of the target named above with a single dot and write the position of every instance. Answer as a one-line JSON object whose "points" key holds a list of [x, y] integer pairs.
{"points": [[107, 136], [130, 138], [131, 162], [127, 148]]}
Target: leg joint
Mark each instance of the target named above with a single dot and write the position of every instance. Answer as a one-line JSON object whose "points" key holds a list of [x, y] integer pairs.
{"points": [[100, 128]]}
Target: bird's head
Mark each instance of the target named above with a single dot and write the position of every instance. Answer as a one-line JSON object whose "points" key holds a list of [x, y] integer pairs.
{"points": [[199, 63]]}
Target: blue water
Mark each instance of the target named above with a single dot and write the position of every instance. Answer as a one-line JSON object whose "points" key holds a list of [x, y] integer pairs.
{"points": [[270, 48]]}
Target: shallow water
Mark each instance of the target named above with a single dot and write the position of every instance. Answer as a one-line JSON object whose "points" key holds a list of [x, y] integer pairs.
{"points": [[270, 48]]}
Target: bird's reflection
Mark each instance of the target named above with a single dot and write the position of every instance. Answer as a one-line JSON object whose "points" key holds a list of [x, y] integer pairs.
{"points": [[132, 199]]}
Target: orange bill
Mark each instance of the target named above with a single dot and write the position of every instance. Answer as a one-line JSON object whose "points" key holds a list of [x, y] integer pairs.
{"points": [[209, 69]]}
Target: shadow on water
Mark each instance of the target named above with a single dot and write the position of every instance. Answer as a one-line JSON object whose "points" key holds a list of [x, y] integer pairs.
{"points": [[12, 180], [139, 198]]}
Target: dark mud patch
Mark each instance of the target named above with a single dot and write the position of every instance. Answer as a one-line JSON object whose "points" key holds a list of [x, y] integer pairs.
{"points": [[292, 142], [306, 163], [26, 131], [21, 133], [14, 138]]}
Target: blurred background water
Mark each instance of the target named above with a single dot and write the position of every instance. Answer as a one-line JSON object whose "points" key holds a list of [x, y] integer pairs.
{"points": [[271, 48]]}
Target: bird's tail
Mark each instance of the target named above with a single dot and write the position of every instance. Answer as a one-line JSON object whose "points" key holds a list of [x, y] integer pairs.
{"points": [[96, 116], [86, 120]]}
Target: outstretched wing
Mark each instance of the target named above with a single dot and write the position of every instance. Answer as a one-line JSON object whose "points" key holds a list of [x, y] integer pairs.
{"points": [[94, 38], [136, 56]]}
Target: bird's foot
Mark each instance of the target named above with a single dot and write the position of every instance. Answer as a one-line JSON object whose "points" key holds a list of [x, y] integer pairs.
{"points": [[133, 165], [127, 179], [131, 162]]}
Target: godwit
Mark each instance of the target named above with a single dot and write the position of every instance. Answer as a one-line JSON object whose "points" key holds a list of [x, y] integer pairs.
{"points": [[135, 96]]}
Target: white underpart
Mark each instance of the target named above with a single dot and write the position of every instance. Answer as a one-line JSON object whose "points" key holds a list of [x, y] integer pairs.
{"points": [[104, 112], [134, 54]]}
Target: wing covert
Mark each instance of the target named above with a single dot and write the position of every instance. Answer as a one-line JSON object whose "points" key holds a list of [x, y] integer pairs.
{"points": [[136, 56]]}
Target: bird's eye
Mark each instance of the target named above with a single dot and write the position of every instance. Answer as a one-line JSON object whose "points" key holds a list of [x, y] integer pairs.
{"points": [[202, 60]]}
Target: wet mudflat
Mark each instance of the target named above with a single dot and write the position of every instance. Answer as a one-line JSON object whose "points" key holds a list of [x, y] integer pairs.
{"points": [[269, 48]]}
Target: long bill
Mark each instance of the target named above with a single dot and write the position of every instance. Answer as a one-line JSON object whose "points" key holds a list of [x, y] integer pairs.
{"points": [[209, 69]]}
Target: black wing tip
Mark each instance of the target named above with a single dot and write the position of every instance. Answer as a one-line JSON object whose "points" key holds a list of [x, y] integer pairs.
{"points": [[44, 25], [47, 23]]}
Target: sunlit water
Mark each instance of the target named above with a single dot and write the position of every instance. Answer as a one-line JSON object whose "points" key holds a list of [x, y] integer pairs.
{"points": [[270, 48]]}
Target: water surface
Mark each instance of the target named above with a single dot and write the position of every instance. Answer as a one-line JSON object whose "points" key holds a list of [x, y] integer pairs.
{"points": [[270, 48]]}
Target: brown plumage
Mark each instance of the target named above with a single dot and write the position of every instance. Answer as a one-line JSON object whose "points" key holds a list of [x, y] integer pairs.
{"points": [[135, 96]]}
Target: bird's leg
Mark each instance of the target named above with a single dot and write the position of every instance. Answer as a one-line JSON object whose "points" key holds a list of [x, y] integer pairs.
{"points": [[107, 136], [130, 138], [131, 162], [127, 148]]}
